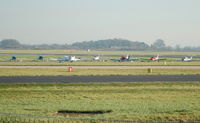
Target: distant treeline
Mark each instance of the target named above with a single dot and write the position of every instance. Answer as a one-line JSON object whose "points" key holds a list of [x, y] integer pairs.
{"points": [[111, 44], [108, 44]]}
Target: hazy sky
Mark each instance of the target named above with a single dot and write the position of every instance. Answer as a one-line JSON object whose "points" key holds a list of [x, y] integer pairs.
{"points": [[67, 21]]}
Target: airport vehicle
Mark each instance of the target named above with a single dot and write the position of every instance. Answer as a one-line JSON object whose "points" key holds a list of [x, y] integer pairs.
{"points": [[187, 59]]}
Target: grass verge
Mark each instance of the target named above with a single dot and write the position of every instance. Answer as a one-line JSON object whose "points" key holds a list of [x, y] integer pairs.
{"points": [[128, 101], [56, 72], [100, 64]]}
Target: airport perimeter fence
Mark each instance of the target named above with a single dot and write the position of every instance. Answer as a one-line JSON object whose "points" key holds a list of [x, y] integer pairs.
{"points": [[25, 118]]}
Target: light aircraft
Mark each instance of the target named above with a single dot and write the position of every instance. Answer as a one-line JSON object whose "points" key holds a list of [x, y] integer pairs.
{"points": [[40, 57], [13, 58], [16, 59], [73, 58], [96, 58], [155, 58], [124, 58], [187, 59], [68, 58]]}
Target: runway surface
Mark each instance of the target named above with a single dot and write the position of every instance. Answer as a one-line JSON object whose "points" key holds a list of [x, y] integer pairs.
{"points": [[90, 79]]}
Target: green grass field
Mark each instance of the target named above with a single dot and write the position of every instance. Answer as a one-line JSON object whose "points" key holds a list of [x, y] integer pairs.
{"points": [[149, 101], [100, 64], [55, 72], [128, 101]]}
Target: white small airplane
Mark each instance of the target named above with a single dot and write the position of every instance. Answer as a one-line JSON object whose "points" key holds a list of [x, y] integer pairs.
{"points": [[96, 58], [68, 58], [73, 59], [187, 59]]}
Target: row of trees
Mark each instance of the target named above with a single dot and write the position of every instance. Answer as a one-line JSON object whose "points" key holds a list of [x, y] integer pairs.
{"points": [[111, 44], [15, 44], [108, 44]]}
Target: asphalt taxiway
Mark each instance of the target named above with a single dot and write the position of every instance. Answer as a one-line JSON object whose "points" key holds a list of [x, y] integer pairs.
{"points": [[90, 79]]}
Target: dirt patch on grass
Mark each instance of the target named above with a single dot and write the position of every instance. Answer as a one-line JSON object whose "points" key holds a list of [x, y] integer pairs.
{"points": [[76, 112]]}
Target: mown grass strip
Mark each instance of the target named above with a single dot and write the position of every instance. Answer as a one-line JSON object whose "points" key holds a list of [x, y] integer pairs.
{"points": [[100, 64], [128, 101], [56, 72]]}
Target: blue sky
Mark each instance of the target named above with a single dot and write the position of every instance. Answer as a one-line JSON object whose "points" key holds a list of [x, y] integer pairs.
{"points": [[67, 21]]}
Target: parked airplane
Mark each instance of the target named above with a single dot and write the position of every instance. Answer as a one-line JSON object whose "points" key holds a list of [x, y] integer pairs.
{"points": [[13, 58], [155, 58], [73, 58], [40, 57], [186, 59], [124, 58], [68, 58], [96, 58]]}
